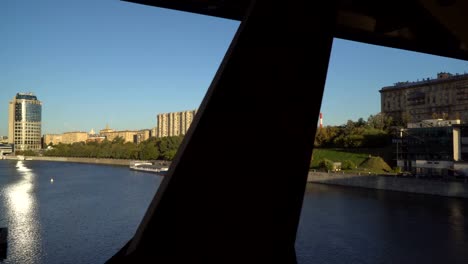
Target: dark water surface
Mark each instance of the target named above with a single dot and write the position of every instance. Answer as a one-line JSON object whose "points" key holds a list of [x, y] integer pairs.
{"points": [[355, 225], [90, 211]]}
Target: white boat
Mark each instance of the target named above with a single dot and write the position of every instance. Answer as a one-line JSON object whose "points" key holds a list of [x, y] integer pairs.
{"points": [[148, 167]]}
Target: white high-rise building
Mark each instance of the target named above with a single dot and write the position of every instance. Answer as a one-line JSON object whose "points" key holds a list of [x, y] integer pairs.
{"points": [[24, 122]]}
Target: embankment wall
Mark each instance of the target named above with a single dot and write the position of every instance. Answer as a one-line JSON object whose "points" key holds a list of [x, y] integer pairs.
{"points": [[392, 183], [119, 162]]}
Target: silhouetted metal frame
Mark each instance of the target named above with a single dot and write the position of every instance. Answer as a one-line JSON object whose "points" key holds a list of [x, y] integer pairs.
{"points": [[234, 192]]}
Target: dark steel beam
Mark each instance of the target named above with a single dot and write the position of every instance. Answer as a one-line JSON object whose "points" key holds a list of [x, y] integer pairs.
{"points": [[427, 26], [234, 192]]}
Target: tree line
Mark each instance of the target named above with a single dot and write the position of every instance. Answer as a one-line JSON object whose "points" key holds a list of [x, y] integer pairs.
{"points": [[152, 149], [375, 132]]}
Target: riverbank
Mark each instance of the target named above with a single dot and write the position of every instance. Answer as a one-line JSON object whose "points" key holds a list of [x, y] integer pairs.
{"points": [[117, 162], [391, 183]]}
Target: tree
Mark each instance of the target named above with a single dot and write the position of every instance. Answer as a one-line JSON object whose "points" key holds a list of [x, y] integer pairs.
{"points": [[149, 150], [320, 137], [361, 122], [349, 127], [348, 165], [168, 146], [326, 164], [380, 121]]}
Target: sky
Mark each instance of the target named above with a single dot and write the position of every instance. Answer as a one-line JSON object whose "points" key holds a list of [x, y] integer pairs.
{"points": [[102, 62]]}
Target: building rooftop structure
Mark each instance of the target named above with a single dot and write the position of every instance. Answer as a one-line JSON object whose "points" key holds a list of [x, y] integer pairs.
{"points": [[25, 96], [441, 77]]}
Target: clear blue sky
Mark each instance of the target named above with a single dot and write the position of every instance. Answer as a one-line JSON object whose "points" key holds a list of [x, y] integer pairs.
{"points": [[97, 62]]}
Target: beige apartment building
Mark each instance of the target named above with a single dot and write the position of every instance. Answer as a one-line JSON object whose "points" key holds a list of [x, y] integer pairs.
{"points": [[135, 136], [72, 137], [52, 138], [175, 123], [24, 122], [142, 135], [444, 97], [127, 135], [106, 130], [66, 138], [154, 132]]}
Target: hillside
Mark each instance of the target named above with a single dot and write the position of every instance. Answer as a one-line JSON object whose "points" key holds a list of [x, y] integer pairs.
{"points": [[365, 159]]}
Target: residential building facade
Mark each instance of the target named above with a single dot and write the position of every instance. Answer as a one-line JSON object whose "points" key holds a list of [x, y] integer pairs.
{"points": [[445, 97], [52, 138], [134, 136], [73, 137], [175, 123], [24, 122], [106, 130], [65, 138]]}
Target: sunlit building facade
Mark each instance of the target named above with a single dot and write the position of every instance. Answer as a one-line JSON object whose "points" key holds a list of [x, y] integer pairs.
{"points": [[175, 123], [53, 139], [24, 122], [444, 97], [134, 136], [73, 137]]}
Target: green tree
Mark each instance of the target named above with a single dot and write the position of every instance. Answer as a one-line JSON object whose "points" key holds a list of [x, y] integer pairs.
{"points": [[149, 150], [326, 164], [348, 165], [321, 137]]}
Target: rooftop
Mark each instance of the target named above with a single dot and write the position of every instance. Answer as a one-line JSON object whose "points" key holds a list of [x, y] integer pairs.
{"points": [[26, 96], [441, 77]]}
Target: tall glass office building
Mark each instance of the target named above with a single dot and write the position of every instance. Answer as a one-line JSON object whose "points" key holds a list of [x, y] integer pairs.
{"points": [[24, 122]]}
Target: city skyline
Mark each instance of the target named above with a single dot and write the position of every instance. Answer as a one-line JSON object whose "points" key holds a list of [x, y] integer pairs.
{"points": [[110, 62]]}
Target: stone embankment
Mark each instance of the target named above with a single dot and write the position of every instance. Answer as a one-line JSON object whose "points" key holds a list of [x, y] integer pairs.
{"points": [[118, 162], [392, 183]]}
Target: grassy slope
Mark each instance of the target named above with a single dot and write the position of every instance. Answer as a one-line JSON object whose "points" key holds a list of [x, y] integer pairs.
{"points": [[337, 156], [360, 157]]}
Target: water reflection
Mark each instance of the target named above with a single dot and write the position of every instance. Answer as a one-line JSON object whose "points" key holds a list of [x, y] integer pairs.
{"points": [[456, 220], [21, 204]]}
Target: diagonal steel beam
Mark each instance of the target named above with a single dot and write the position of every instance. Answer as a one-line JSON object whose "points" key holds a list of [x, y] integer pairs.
{"points": [[234, 192]]}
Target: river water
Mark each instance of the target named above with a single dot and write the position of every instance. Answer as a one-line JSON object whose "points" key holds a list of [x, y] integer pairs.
{"points": [[90, 211], [85, 215]]}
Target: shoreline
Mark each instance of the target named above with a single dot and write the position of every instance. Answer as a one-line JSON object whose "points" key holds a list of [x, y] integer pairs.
{"points": [[99, 161], [408, 185]]}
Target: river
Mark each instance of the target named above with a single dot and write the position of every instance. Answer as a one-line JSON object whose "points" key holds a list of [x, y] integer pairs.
{"points": [[85, 215], [88, 212]]}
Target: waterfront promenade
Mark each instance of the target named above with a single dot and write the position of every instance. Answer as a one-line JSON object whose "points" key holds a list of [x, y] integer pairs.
{"points": [[117, 162]]}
